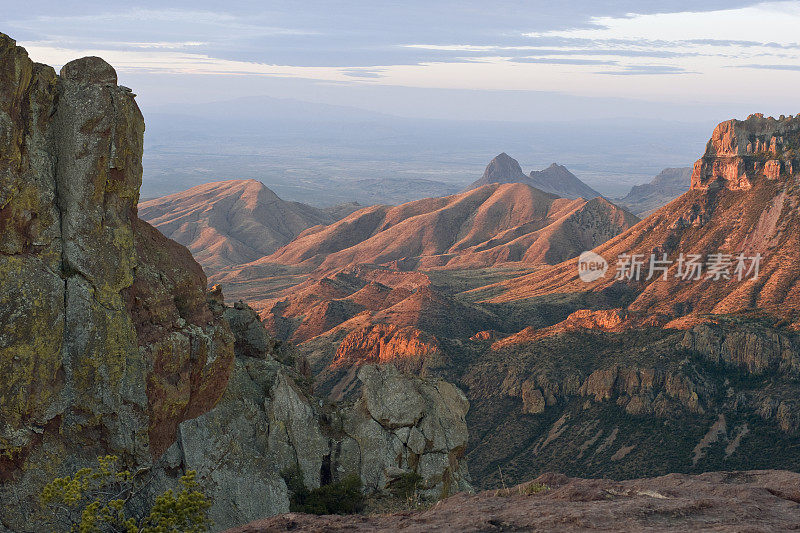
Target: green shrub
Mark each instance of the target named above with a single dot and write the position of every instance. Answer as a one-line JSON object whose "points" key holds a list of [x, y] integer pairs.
{"points": [[405, 486], [97, 500], [341, 497]]}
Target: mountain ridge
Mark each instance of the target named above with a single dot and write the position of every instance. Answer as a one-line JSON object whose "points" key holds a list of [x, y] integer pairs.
{"points": [[667, 185], [231, 222]]}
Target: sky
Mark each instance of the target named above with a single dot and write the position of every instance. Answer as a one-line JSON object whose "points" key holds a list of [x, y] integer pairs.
{"points": [[500, 60]]}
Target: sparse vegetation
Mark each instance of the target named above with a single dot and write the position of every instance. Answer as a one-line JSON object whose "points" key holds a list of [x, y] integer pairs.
{"points": [[406, 486], [341, 497], [98, 500]]}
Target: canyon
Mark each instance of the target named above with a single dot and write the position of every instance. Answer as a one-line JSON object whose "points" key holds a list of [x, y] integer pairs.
{"points": [[619, 377], [451, 339]]}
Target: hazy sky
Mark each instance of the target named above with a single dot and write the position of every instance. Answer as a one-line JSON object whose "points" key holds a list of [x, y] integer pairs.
{"points": [[453, 59]]}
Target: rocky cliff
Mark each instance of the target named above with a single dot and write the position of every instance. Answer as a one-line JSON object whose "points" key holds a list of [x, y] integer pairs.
{"points": [[110, 342], [740, 152], [268, 423], [742, 204], [106, 341]]}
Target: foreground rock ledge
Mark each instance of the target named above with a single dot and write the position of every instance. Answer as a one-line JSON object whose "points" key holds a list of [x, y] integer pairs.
{"points": [[767, 500]]}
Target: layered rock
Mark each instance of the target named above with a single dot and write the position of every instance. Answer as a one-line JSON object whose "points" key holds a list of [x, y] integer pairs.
{"points": [[743, 151]]}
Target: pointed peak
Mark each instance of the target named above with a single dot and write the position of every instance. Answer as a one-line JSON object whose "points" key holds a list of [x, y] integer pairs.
{"points": [[504, 158], [503, 168]]}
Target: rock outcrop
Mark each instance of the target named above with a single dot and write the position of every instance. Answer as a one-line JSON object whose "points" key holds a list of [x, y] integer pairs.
{"points": [[502, 169], [385, 343], [267, 425], [741, 152], [555, 179], [106, 340]]}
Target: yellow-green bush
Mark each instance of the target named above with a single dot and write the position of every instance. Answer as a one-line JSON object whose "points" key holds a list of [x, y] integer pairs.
{"points": [[97, 500]]}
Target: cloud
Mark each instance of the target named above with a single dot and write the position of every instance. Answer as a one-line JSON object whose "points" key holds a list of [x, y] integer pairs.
{"points": [[562, 61], [361, 73], [440, 45], [646, 70], [771, 22], [771, 67]]}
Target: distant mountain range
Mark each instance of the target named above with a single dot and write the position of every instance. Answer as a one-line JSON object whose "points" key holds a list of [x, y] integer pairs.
{"points": [[555, 179], [665, 187], [233, 222], [315, 153]]}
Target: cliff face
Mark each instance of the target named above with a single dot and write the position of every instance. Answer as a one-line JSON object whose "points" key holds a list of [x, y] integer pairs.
{"points": [[267, 423], [106, 341], [743, 151]]}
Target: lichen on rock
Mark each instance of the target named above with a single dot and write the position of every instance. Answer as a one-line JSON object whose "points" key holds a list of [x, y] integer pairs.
{"points": [[106, 340]]}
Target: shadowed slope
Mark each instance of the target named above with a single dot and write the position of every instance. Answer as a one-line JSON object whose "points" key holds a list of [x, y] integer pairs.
{"points": [[668, 185], [558, 180]]}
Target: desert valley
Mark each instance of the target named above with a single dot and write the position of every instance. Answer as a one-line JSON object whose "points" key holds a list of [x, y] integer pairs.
{"points": [[519, 353]]}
